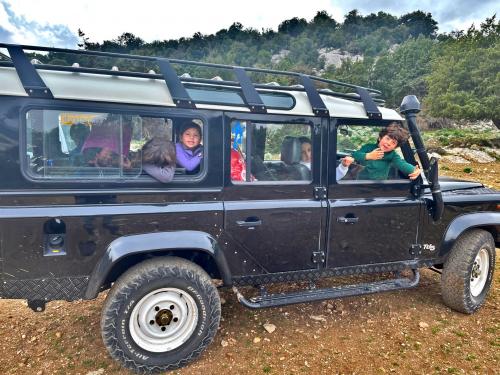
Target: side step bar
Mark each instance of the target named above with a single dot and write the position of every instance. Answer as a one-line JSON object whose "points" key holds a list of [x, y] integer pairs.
{"points": [[310, 295]]}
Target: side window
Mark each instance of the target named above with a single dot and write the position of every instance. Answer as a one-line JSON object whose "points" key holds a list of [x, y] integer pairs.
{"points": [[270, 152], [371, 153], [93, 145]]}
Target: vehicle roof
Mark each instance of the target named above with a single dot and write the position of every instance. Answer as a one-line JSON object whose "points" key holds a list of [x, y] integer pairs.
{"points": [[101, 85]]}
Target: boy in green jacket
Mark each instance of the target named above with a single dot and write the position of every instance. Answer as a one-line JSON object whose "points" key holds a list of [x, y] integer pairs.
{"points": [[378, 158]]}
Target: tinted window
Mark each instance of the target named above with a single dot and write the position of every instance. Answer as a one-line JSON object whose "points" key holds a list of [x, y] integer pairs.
{"points": [[270, 152], [96, 145]]}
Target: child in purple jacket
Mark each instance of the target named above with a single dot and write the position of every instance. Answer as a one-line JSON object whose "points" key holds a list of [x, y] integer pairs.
{"points": [[189, 149]]}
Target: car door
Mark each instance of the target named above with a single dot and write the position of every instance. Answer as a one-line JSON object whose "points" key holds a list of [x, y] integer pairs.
{"points": [[271, 212], [370, 221]]}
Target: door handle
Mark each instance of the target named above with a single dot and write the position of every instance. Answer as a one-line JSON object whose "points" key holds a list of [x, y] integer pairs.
{"points": [[347, 220], [249, 222]]}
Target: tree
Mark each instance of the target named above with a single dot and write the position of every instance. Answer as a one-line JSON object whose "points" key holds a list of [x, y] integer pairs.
{"points": [[420, 23], [403, 71], [465, 77], [293, 26]]}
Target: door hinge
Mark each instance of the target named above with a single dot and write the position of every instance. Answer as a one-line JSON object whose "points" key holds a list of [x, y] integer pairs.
{"points": [[319, 192], [416, 249], [318, 257]]}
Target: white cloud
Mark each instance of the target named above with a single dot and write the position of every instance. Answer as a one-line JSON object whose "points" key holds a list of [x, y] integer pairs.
{"points": [[51, 22], [161, 20]]}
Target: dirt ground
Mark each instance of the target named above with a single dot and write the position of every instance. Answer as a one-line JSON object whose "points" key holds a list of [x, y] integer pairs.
{"points": [[406, 332]]}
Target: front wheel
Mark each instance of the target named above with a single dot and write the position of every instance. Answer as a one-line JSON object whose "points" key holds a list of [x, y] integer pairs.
{"points": [[160, 315], [468, 271]]}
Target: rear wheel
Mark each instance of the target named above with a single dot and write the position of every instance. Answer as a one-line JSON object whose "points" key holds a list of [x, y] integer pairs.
{"points": [[160, 315], [468, 271]]}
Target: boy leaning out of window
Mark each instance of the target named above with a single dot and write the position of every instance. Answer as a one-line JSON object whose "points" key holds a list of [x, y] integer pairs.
{"points": [[377, 158]]}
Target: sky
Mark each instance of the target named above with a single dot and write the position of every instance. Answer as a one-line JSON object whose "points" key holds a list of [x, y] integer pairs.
{"points": [[55, 23]]}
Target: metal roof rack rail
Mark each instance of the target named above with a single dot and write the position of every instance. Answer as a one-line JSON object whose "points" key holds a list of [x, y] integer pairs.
{"points": [[34, 85]]}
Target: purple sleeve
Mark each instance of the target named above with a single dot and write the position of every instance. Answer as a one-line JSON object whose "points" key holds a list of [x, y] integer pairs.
{"points": [[187, 159], [165, 174]]}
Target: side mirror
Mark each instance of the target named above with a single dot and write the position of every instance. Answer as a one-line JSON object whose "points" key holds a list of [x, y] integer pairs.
{"points": [[345, 131]]}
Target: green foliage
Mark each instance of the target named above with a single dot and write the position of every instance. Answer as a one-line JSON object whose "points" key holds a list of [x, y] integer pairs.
{"points": [[465, 77], [457, 74], [403, 71]]}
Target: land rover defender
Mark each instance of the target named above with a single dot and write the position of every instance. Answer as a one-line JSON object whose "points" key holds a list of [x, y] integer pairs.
{"points": [[254, 213]]}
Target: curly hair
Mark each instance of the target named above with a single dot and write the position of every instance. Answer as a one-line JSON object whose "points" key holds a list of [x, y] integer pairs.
{"points": [[395, 131], [159, 152]]}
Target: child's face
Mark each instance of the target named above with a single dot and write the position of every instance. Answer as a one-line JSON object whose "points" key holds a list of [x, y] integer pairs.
{"points": [[306, 152], [191, 138], [387, 144], [104, 157]]}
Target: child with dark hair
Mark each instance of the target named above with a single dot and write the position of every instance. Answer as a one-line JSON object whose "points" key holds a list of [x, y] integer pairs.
{"points": [[108, 143], [377, 158], [306, 157], [158, 159], [189, 149]]}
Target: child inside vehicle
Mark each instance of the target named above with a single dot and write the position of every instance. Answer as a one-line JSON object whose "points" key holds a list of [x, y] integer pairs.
{"points": [[158, 159], [378, 158], [341, 169]]}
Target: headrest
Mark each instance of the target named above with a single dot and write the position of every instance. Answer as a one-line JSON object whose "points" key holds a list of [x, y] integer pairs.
{"points": [[291, 150]]}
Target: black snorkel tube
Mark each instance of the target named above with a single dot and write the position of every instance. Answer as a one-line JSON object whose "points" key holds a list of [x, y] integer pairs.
{"points": [[410, 106]]}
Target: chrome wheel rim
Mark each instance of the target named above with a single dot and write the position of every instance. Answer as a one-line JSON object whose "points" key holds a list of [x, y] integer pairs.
{"points": [[163, 320], [479, 272]]}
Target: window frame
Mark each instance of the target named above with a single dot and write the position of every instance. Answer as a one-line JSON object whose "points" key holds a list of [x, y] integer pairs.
{"points": [[270, 119], [405, 151], [82, 107]]}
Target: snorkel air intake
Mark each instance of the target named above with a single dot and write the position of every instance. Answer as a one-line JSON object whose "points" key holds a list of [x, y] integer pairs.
{"points": [[410, 106]]}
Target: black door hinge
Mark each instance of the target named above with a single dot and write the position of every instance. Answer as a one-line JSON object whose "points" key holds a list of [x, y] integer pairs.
{"points": [[416, 249], [318, 257], [319, 192]]}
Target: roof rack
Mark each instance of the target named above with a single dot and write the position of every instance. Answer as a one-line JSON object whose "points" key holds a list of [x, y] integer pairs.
{"points": [[34, 85]]}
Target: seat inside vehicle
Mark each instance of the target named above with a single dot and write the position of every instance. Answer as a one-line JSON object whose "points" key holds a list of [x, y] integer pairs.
{"points": [[291, 156]]}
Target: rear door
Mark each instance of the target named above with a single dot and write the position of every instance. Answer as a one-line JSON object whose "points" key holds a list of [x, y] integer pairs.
{"points": [[271, 213]]}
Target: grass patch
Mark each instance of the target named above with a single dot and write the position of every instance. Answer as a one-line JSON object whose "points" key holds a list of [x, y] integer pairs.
{"points": [[461, 137], [470, 357], [459, 333]]}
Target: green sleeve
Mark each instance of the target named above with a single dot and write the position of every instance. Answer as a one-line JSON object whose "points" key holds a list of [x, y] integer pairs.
{"points": [[401, 164], [360, 155]]}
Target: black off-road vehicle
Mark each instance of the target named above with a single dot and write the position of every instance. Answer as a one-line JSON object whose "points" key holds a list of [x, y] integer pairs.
{"points": [[259, 209]]}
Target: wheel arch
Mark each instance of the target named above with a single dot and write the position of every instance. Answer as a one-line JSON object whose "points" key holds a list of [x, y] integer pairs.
{"points": [[488, 221], [124, 252]]}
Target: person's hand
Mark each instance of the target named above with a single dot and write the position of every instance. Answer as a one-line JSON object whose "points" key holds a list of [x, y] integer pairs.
{"points": [[416, 172], [347, 161], [376, 154]]}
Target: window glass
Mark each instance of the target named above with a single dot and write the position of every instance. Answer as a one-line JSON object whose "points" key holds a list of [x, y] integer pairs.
{"points": [[95, 145], [371, 153], [270, 152], [207, 94]]}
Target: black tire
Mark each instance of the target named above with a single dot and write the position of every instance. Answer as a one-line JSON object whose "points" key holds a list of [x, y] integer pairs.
{"points": [[460, 286], [147, 290]]}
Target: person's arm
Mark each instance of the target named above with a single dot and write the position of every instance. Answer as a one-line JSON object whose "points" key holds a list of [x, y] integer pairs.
{"points": [[341, 171], [361, 155], [405, 167], [162, 174]]}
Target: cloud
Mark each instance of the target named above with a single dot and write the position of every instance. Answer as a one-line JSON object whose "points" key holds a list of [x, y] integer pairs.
{"points": [[19, 30]]}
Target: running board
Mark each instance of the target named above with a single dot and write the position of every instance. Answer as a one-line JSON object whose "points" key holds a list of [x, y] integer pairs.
{"points": [[310, 295]]}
